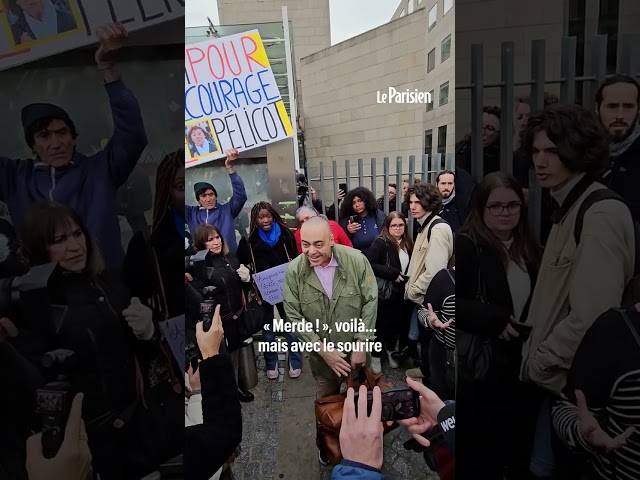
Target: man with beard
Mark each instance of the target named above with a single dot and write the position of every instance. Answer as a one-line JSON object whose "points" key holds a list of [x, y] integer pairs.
{"points": [[617, 105], [446, 183]]}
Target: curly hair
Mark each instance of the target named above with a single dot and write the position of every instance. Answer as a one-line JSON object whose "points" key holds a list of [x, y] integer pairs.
{"points": [[581, 140], [428, 195], [171, 164], [363, 194], [255, 210]]}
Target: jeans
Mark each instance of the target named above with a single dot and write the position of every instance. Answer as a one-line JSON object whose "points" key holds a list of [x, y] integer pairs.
{"points": [[543, 457], [271, 358]]}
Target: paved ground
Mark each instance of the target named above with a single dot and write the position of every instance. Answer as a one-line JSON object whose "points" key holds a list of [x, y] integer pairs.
{"points": [[279, 433]]}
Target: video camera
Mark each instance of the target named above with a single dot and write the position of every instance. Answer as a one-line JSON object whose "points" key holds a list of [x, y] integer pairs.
{"points": [[53, 400]]}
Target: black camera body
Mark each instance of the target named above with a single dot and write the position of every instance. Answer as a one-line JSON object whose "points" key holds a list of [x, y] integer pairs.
{"points": [[195, 264], [192, 355], [31, 290], [53, 400]]}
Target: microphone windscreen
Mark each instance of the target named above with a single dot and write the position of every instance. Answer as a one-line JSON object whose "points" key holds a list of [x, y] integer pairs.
{"points": [[447, 421]]}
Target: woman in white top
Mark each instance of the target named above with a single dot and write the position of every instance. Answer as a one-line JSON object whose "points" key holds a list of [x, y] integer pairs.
{"points": [[498, 259], [389, 256]]}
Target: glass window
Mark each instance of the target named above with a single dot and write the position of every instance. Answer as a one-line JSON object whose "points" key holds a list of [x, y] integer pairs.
{"points": [[430, 102], [444, 93], [433, 15], [428, 142], [442, 140], [448, 5], [431, 60], [445, 53]]}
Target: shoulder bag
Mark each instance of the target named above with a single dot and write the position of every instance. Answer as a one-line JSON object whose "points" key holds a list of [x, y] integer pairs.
{"points": [[329, 414]]}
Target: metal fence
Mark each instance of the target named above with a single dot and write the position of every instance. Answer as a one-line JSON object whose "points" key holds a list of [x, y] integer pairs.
{"points": [[430, 167], [627, 64]]}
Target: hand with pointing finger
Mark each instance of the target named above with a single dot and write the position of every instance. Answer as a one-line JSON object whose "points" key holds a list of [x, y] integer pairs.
{"points": [[435, 321], [72, 461], [593, 433], [140, 318]]}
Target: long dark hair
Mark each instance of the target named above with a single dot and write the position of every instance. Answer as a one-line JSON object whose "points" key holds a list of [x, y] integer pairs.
{"points": [[405, 243], [165, 176], [524, 246], [255, 210], [364, 194]]}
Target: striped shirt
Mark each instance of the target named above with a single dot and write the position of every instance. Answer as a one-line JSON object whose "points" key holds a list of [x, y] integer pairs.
{"points": [[441, 294], [607, 369]]}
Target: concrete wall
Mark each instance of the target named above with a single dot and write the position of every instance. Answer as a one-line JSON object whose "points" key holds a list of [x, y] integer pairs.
{"points": [[339, 89], [492, 22], [443, 72], [310, 19]]}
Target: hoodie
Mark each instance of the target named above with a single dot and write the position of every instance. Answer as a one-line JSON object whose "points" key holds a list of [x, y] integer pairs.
{"points": [[89, 183]]}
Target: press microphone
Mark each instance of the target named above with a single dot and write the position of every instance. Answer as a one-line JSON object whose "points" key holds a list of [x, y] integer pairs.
{"points": [[442, 434]]}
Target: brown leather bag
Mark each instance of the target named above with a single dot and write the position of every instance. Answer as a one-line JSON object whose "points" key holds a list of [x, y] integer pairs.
{"points": [[329, 415]]}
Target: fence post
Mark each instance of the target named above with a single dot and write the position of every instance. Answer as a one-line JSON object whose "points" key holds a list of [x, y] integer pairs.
{"points": [[347, 173], [506, 107], [321, 189], [477, 100], [385, 188], [599, 68], [568, 70], [628, 64], [360, 173], [373, 176], [451, 162], [398, 177], [425, 168], [335, 188], [412, 174], [538, 48]]}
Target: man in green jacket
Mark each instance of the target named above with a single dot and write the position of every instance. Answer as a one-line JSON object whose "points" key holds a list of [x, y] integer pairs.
{"points": [[326, 288]]}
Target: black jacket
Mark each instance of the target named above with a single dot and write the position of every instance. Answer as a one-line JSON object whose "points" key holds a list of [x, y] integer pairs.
{"points": [[377, 256], [267, 257], [490, 317], [623, 177], [208, 445]]}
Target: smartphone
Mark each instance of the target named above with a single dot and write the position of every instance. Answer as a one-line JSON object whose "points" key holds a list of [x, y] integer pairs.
{"points": [[353, 218], [523, 330], [207, 308], [343, 187], [397, 404], [406, 277]]}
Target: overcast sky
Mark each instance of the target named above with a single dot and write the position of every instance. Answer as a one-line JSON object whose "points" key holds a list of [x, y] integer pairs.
{"points": [[348, 17]]}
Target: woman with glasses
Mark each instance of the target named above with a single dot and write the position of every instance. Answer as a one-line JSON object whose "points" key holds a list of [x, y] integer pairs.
{"points": [[389, 256], [500, 258]]}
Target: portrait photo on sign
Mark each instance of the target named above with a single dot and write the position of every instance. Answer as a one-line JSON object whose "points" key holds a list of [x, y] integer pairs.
{"points": [[200, 139], [28, 22]]}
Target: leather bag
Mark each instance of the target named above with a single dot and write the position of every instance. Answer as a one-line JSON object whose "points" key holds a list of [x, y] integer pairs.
{"points": [[329, 414]]}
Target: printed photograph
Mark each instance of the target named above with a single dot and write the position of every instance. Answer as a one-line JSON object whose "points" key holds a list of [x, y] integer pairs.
{"points": [[27, 21], [200, 139]]}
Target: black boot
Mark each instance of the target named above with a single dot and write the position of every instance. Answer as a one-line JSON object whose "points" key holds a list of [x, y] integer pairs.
{"points": [[245, 396]]}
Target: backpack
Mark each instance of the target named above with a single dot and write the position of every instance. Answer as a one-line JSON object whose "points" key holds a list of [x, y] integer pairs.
{"points": [[632, 291]]}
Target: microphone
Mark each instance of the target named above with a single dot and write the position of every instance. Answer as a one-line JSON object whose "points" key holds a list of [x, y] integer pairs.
{"points": [[442, 434]]}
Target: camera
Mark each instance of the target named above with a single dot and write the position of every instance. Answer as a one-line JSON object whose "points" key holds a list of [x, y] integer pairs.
{"points": [[191, 354], [196, 263], [30, 289], [53, 400]]}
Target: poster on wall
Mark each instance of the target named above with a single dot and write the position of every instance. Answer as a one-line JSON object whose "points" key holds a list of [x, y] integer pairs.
{"points": [[231, 98], [34, 29]]}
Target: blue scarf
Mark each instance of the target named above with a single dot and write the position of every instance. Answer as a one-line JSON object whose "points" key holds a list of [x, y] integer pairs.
{"points": [[272, 236]]}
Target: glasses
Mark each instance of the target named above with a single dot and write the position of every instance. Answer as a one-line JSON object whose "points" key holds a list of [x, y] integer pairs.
{"points": [[498, 209], [401, 225]]}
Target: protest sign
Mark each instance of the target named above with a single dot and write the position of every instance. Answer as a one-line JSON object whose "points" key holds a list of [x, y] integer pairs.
{"points": [[270, 283], [40, 28], [173, 331], [231, 98]]}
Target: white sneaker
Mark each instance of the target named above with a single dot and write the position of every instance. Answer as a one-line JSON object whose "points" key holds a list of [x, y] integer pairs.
{"points": [[392, 361], [376, 367]]}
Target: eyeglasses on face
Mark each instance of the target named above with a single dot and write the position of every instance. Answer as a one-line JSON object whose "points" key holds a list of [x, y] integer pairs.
{"points": [[400, 225], [497, 209]]}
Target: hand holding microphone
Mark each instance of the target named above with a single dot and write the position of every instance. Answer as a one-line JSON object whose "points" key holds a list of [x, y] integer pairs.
{"points": [[140, 319]]}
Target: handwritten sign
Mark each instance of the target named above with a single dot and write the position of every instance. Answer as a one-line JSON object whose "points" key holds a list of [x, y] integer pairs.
{"points": [[173, 332], [231, 98], [270, 283], [41, 28]]}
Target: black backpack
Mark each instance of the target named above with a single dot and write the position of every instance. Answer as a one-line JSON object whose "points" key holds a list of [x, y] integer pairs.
{"points": [[632, 292]]}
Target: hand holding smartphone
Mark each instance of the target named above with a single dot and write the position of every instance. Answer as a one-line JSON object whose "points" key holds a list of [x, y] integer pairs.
{"points": [[397, 404]]}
